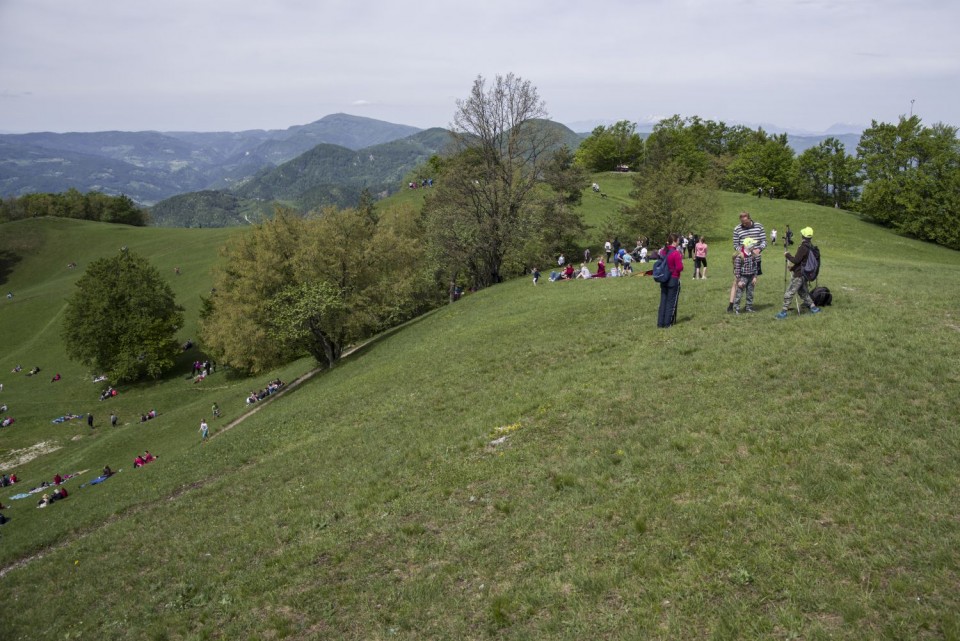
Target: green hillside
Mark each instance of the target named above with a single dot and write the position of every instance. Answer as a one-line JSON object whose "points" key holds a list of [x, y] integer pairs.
{"points": [[527, 463]]}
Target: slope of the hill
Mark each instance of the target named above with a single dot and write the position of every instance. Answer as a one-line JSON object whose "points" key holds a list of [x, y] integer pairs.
{"points": [[542, 462]]}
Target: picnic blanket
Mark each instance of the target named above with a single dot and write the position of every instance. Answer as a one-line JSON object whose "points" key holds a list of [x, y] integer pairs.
{"points": [[65, 418], [100, 479]]}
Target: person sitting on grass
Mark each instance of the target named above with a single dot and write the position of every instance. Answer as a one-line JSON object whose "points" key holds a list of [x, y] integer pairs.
{"points": [[148, 457], [584, 272], [8, 421], [56, 377], [138, 461], [601, 269]]}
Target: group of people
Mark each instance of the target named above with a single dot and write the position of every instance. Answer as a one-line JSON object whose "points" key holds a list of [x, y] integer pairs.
{"points": [[142, 459], [749, 242], [272, 387], [152, 414], [109, 392]]}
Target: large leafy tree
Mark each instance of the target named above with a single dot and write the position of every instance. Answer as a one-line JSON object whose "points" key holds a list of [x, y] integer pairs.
{"points": [[767, 162], [486, 207], [827, 175], [912, 176], [704, 147], [667, 199], [315, 285], [607, 148], [123, 318]]}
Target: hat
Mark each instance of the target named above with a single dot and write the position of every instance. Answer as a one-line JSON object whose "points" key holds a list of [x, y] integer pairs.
{"points": [[807, 232], [749, 242]]}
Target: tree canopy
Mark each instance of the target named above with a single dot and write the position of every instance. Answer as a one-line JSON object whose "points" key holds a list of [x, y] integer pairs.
{"points": [[488, 209], [314, 285], [122, 319]]}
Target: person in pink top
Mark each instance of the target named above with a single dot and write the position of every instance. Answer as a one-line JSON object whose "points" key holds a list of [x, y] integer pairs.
{"points": [[670, 290], [700, 259]]}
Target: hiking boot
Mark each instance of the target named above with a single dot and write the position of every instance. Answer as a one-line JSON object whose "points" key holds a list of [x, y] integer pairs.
{"points": [[781, 315], [814, 310]]}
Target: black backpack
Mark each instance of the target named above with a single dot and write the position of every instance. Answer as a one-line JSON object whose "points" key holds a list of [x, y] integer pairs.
{"points": [[821, 296], [661, 272], [811, 266]]}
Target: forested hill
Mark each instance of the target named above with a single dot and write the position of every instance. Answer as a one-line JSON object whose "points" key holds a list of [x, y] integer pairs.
{"points": [[149, 166]]}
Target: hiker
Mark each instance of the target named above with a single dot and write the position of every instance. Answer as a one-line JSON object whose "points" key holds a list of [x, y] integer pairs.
{"points": [[789, 240], [536, 275], [798, 284], [773, 236], [627, 262], [586, 255], [216, 410], [748, 228], [561, 260], [204, 430], [90, 420], [670, 290], [745, 274], [700, 259], [113, 419], [759, 192], [608, 248]]}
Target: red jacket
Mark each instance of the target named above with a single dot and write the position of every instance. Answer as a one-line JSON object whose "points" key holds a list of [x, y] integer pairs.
{"points": [[674, 260]]}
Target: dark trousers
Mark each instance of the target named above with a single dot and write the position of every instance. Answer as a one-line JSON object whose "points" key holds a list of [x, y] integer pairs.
{"points": [[669, 293]]}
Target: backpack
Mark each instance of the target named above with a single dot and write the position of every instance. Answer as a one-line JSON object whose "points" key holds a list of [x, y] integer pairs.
{"points": [[811, 266], [821, 296], [661, 272]]}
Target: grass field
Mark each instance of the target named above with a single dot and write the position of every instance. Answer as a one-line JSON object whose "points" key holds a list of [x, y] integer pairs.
{"points": [[734, 477]]}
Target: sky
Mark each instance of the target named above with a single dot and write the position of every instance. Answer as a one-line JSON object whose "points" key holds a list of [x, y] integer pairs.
{"points": [[231, 65]]}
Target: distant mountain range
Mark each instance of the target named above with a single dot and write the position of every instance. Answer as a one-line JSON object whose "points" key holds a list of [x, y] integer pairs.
{"points": [[227, 178], [149, 166]]}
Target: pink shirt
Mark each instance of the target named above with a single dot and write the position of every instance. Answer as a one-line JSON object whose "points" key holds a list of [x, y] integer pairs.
{"points": [[701, 250]]}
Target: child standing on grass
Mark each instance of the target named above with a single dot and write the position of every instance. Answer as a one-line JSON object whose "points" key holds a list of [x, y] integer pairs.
{"points": [[536, 275], [745, 273], [204, 430]]}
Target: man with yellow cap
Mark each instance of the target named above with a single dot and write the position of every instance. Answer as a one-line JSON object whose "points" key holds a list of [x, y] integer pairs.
{"points": [[798, 284]]}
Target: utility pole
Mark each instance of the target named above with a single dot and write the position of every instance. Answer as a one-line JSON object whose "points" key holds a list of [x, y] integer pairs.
{"points": [[912, 100]]}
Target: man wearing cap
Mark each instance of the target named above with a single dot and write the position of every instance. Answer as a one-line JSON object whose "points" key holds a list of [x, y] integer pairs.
{"points": [[798, 285], [748, 228], [745, 273]]}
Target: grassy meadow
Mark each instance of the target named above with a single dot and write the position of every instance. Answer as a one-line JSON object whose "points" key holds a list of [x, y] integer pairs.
{"points": [[527, 463]]}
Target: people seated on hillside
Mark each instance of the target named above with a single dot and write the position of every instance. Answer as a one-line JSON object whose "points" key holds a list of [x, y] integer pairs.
{"points": [[148, 457], [100, 378], [3, 408], [35, 370], [107, 471], [108, 393], [16, 370], [568, 272], [59, 493], [252, 398], [56, 377], [8, 421], [601, 269], [584, 272], [57, 479], [138, 461], [7, 480], [44, 501]]}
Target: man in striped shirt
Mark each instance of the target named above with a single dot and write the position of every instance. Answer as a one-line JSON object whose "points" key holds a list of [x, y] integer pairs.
{"points": [[748, 228]]}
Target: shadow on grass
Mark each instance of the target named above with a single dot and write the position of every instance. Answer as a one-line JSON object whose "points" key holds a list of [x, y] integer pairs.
{"points": [[8, 260]]}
